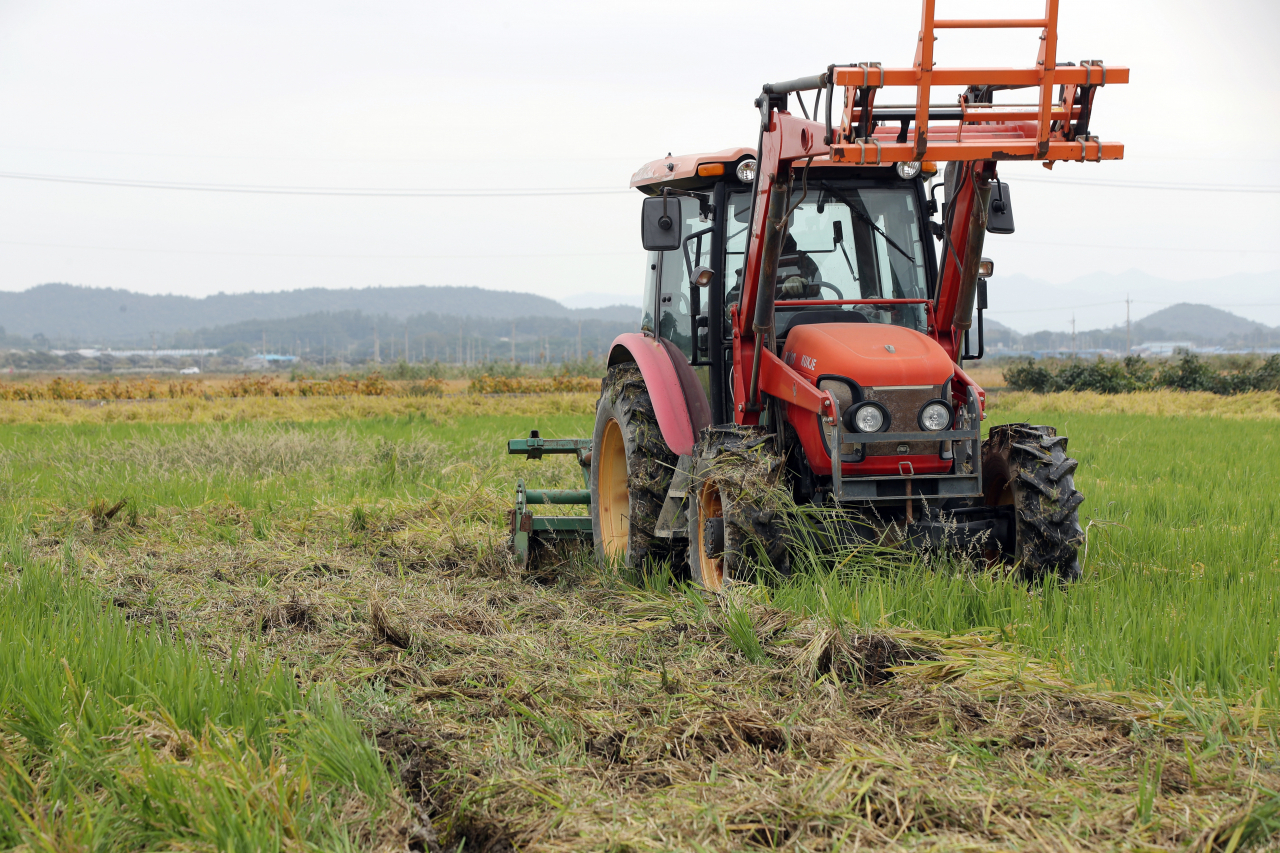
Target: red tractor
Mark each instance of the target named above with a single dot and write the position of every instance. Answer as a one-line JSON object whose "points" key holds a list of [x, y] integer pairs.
{"points": [[805, 325]]}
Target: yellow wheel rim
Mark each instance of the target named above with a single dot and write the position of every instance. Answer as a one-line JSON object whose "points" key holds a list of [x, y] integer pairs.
{"points": [[709, 506], [615, 504]]}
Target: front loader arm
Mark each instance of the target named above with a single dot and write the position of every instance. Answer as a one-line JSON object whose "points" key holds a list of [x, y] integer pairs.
{"points": [[964, 230], [786, 139], [776, 379], [783, 139]]}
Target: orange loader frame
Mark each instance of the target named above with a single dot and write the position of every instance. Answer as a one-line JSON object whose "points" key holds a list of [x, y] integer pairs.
{"points": [[982, 133]]}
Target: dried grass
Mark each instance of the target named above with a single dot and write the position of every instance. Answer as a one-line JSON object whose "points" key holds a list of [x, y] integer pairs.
{"points": [[287, 409], [1254, 405], [587, 714]]}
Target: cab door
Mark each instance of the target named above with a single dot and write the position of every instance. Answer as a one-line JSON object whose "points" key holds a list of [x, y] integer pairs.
{"points": [[679, 302]]}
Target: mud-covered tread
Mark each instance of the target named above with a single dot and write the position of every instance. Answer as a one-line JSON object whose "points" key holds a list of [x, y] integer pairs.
{"points": [[1029, 464], [751, 478], [1034, 451], [1066, 466], [650, 463]]}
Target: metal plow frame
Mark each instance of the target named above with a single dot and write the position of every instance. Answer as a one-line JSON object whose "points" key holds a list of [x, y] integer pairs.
{"points": [[527, 528]]}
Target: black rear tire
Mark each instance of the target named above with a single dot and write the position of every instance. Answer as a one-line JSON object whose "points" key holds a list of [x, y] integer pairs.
{"points": [[1027, 466], [631, 469]]}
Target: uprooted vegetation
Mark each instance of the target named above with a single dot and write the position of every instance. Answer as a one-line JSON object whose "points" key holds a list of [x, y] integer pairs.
{"points": [[575, 709], [591, 713]]}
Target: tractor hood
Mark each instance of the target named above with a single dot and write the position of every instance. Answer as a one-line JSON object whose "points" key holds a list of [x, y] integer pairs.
{"points": [[871, 354]]}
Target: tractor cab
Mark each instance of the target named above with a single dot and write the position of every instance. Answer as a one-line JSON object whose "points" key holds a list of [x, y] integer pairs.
{"points": [[853, 235]]}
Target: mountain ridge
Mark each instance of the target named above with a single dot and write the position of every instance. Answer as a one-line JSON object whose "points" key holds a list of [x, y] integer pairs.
{"points": [[75, 313]]}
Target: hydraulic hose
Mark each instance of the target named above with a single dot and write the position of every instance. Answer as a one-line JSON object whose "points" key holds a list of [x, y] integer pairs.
{"points": [[963, 318], [766, 285]]}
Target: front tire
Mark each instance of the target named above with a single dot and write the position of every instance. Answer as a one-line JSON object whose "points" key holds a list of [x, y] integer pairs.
{"points": [[737, 502], [631, 468], [1027, 466]]}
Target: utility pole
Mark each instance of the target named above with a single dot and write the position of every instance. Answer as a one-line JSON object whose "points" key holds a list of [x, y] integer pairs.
{"points": [[1128, 330], [153, 350], [324, 350], [377, 353], [264, 346], [1073, 336], [513, 343], [579, 340], [408, 356]]}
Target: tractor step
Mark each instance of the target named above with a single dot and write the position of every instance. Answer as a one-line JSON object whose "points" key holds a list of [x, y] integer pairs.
{"points": [[527, 529], [673, 520]]}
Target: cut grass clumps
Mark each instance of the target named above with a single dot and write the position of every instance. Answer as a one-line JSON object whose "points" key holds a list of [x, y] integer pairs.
{"points": [[118, 736]]}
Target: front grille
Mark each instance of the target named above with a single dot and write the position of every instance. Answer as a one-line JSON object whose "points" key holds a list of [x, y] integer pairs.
{"points": [[903, 405]]}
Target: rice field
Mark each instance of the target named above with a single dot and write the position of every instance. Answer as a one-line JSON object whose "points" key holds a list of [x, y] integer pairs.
{"points": [[291, 624]]}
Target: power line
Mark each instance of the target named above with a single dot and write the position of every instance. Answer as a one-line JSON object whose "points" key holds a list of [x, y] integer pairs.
{"points": [[485, 255], [1155, 185], [542, 254], [1122, 301], [367, 192], [1018, 242], [512, 192]]}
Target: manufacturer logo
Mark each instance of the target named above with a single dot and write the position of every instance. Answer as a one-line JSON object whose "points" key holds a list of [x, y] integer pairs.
{"points": [[808, 363]]}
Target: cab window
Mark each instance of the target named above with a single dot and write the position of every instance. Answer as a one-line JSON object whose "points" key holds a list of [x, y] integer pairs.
{"points": [[678, 302], [843, 242]]}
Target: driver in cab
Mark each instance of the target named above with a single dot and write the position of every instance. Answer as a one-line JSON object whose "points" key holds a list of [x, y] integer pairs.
{"points": [[797, 273]]}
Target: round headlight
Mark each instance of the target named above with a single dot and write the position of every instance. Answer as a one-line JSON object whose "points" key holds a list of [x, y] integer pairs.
{"points": [[868, 418], [935, 416], [746, 171], [907, 171]]}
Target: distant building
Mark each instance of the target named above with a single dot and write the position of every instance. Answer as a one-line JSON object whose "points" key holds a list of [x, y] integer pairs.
{"points": [[268, 361], [1162, 347]]}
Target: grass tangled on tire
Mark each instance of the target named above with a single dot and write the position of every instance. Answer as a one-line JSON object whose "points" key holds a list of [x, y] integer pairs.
{"points": [[742, 462]]}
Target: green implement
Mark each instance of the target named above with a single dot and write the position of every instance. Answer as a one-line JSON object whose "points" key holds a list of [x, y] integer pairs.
{"points": [[528, 529]]}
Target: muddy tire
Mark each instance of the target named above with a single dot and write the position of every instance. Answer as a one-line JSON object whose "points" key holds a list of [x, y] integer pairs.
{"points": [[736, 500], [631, 468], [1027, 466]]}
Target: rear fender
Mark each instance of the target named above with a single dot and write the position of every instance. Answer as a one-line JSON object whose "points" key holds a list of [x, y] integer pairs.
{"points": [[678, 399]]}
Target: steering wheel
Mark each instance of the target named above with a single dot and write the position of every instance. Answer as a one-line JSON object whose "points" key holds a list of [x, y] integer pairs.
{"points": [[821, 284]]}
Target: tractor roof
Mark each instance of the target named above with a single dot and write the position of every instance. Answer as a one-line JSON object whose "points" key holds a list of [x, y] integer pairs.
{"points": [[682, 171]]}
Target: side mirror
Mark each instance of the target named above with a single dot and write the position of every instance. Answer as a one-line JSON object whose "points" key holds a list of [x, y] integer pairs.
{"points": [[837, 232], [660, 224], [1000, 210]]}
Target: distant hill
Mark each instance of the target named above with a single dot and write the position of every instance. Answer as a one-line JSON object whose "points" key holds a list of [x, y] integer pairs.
{"points": [[67, 314], [428, 337], [1200, 321]]}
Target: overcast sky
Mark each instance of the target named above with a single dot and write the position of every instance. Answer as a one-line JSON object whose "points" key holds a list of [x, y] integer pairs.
{"points": [[569, 95]]}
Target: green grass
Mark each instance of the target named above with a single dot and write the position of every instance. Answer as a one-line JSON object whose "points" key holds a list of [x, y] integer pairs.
{"points": [[115, 736], [1181, 590], [1183, 525], [155, 691]]}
